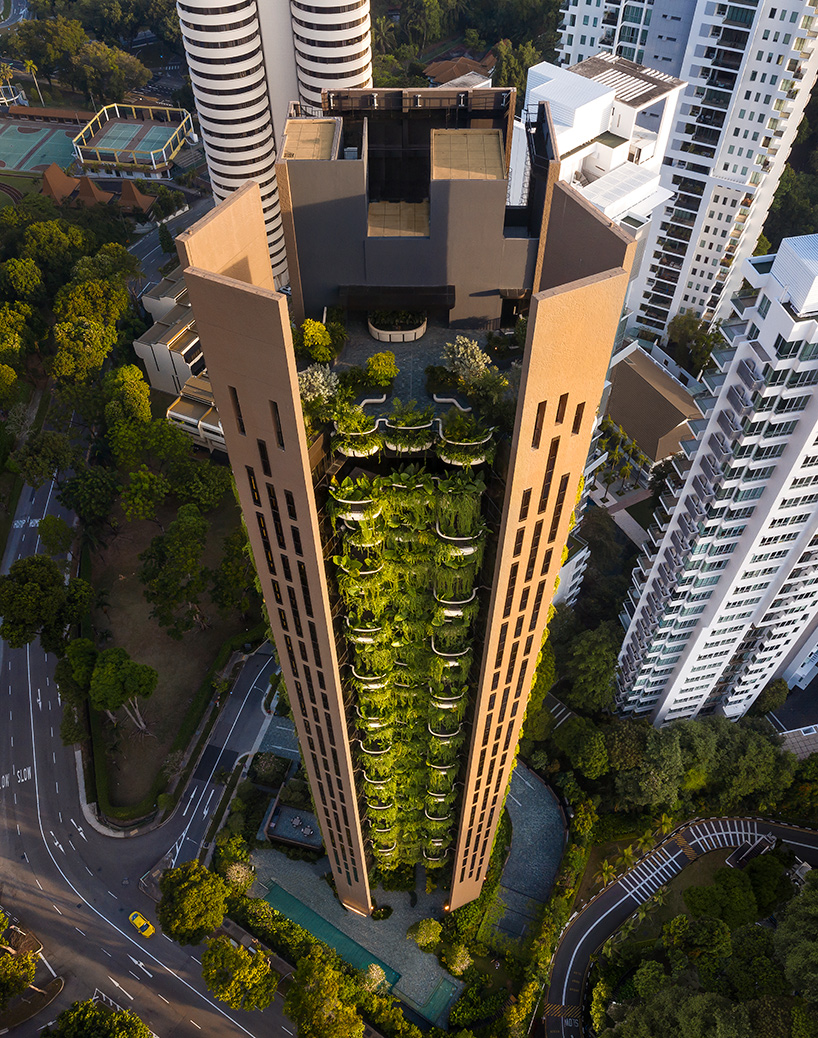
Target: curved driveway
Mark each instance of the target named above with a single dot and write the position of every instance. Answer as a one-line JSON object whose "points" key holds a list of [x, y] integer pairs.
{"points": [[590, 928], [73, 886]]}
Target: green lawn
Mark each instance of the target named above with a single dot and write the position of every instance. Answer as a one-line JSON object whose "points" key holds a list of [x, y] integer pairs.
{"points": [[24, 183], [643, 511], [698, 873]]}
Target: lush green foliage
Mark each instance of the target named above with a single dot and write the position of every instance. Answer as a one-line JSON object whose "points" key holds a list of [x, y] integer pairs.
{"points": [[193, 902], [241, 978], [37, 601], [94, 1020]]}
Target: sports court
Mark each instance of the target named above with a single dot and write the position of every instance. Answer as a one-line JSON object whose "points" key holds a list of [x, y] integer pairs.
{"points": [[124, 136], [29, 147]]}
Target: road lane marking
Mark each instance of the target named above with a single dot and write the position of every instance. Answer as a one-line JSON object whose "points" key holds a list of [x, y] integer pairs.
{"points": [[195, 1024], [73, 848], [44, 960], [118, 985], [162, 997], [56, 910], [39, 884], [134, 975], [196, 960], [113, 895], [71, 886], [79, 931]]}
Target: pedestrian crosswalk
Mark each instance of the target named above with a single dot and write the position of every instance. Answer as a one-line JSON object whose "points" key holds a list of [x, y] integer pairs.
{"points": [[553, 1009], [559, 711], [722, 832], [652, 872]]}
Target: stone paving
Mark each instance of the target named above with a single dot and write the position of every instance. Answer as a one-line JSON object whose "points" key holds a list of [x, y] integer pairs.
{"points": [[412, 358], [537, 844], [421, 973]]}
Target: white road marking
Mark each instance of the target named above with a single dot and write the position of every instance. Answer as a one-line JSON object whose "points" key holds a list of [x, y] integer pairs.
{"points": [[47, 964], [56, 910], [38, 883], [195, 1024], [133, 974], [116, 985], [163, 998], [113, 895], [79, 931], [96, 911]]}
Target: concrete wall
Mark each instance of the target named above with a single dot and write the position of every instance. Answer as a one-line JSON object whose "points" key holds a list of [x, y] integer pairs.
{"points": [[570, 335], [245, 335]]}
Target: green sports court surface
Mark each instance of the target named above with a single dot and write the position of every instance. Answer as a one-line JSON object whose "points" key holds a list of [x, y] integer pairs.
{"points": [[26, 147], [116, 136]]}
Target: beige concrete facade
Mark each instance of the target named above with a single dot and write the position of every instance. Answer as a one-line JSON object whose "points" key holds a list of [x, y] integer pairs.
{"points": [[245, 334], [575, 266]]}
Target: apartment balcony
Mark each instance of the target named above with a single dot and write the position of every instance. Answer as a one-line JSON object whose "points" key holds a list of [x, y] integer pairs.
{"points": [[689, 448], [732, 39], [673, 231], [745, 300], [687, 201], [721, 79], [705, 403], [670, 246], [715, 100]]}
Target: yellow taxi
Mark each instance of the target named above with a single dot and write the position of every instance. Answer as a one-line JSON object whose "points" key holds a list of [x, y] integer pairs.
{"points": [[141, 923]]}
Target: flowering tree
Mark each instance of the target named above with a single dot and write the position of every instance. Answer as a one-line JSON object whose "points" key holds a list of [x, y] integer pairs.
{"points": [[317, 384], [466, 360]]}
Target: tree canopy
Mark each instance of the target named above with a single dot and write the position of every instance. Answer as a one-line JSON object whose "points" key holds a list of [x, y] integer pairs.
{"points": [[241, 978], [92, 1019], [36, 600], [118, 681], [193, 902], [320, 1000]]}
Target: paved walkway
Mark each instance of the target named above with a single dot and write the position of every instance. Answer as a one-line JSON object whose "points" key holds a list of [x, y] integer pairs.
{"points": [[280, 739], [423, 985], [604, 915], [617, 511], [537, 844]]}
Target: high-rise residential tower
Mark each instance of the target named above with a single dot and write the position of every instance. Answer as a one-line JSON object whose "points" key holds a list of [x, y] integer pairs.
{"points": [[726, 597], [750, 66], [408, 554], [248, 63]]}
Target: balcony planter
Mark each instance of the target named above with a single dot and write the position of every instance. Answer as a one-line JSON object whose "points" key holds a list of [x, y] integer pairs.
{"points": [[357, 434], [376, 782], [376, 753], [444, 736], [409, 428], [449, 655], [396, 325], [433, 818], [438, 857], [372, 681], [465, 442], [441, 702]]}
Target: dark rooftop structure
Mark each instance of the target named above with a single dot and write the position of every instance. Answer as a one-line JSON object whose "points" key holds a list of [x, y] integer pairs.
{"points": [[635, 85]]}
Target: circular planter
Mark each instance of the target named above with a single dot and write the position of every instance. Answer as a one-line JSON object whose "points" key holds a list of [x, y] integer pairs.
{"points": [[449, 655], [478, 458], [372, 681], [433, 818], [407, 335], [356, 510], [444, 736], [430, 857], [375, 782]]}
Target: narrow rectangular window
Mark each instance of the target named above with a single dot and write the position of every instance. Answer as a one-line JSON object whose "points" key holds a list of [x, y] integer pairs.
{"points": [[234, 397], [578, 418], [552, 533], [524, 598], [288, 497], [305, 588], [277, 591], [532, 555], [546, 562], [538, 424], [290, 653], [296, 612], [296, 541], [518, 628], [302, 648], [282, 617], [549, 473], [277, 425], [537, 604], [251, 479], [501, 645], [512, 581], [285, 565], [518, 542], [265, 458], [495, 681], [561, 406], [524, 504], [316, 650]]}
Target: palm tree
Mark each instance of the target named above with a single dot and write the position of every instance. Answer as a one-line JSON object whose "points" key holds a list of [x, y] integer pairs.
{"points": [[625, 472], [383, 34], [665, 824], [660, 897], [6, 72], [608, 947], [645, 842], [607, 872], [31, 68], [627, 857]]}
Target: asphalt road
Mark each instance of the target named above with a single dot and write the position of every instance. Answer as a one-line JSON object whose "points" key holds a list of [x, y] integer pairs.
{"points": [[147, 248], [592, 926], [75, 887]]}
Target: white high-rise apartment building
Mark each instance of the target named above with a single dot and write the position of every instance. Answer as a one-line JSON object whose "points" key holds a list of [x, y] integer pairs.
{"points": [[726, 597], [749, 66], [248, 62]]}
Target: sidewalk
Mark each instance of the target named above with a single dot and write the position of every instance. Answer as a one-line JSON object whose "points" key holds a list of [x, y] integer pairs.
{"points": [[616, 507]]}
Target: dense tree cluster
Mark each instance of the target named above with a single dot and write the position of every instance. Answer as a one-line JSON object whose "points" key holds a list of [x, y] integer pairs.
{"points": [[92, 1019]]}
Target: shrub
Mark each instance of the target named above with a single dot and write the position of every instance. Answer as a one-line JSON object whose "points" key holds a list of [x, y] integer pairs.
{"points": [[425, 933], [317, 384], [466, 360], [382, 912], [457, 959], [396, 320], [381, 368], [475, 1005], [316, 342]]}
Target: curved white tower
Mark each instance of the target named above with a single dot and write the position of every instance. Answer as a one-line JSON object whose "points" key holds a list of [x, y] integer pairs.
{"points": [[332, 47], [248, 61]]}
